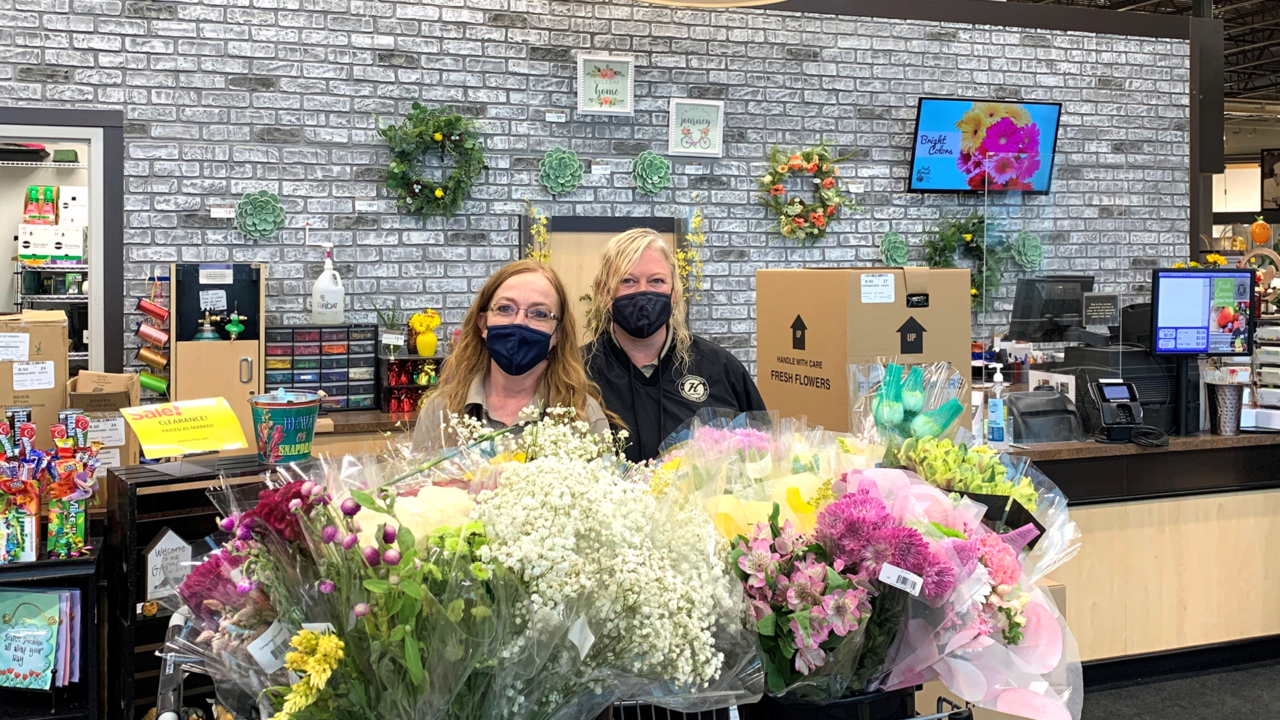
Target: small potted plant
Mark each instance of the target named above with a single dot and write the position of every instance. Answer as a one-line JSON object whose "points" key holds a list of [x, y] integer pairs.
{"points": [[392, 330], [423, 328]]}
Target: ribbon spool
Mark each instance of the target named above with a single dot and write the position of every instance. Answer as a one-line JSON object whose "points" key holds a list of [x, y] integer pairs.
{"points": [[150, 357], [153, 335], [153, 310], [153, 383]]}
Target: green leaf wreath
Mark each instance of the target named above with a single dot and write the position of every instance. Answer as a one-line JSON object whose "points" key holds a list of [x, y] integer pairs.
{"points": [[798, 219], [979, 241], [437, 130]]}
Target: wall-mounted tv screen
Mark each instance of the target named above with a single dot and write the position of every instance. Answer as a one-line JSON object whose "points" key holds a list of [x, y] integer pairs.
{"points": [[974, 146]]}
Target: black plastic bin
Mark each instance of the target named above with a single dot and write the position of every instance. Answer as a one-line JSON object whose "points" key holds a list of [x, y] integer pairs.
{"points": [[891, 705]]}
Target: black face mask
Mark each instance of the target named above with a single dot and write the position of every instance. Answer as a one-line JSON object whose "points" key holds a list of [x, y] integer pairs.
{"points": [[517, 348], [641, 314]]}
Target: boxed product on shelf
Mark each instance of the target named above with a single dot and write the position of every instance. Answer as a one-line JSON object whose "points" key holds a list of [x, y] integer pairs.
{"points": [[33, 366], [101, 396], [73, 205], [68, 244], [337, 360], [405, 379], [40, 205], [35, 242]]}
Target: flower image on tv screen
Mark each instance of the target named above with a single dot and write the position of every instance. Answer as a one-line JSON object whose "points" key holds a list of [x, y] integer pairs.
{"points": [[981, 146]]}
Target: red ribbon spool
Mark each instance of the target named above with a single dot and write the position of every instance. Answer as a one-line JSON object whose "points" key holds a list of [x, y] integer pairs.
{"points": [[152, 310]]}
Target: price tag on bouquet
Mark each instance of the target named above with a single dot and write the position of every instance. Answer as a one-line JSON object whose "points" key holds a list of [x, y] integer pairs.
{"points": [[901, 579], [270, 647]]}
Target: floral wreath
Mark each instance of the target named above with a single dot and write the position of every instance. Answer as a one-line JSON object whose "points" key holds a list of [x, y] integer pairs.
{"points": [[424, 131], [797, 219]]}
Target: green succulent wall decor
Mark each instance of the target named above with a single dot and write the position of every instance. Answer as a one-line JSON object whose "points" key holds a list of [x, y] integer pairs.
{"points": [[560, 171], [893, 249], [259, 215], [651, 173], [1027, 250]]}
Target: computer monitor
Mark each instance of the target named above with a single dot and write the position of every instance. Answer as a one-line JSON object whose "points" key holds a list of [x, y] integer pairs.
{"points": [[1045, 308], [1198, 311]]}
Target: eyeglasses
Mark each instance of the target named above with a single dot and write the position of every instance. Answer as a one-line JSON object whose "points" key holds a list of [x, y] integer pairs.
{"points": [[507, 313]]}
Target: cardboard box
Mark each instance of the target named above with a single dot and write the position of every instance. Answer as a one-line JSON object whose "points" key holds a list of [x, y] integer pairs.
{"points": [[73, 205], [68, 243], [33, 366], [811, 324], [35, 242], [102, 396]]}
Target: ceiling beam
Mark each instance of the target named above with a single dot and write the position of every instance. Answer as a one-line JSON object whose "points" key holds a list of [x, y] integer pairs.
{"points": [[1135, 5], [1247, 28], [1254, 46]]}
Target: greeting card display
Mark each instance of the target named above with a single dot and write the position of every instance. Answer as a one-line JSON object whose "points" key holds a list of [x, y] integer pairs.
{"points": [[696, 128]]}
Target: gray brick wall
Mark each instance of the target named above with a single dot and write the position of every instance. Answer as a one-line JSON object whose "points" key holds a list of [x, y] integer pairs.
{"points": [[222, 98]]}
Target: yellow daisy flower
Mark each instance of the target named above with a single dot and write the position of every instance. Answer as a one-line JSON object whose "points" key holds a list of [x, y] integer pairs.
{"points": [[973, 128]]}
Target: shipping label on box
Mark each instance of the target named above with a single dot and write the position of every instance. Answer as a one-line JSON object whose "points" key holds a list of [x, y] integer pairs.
{"points": [[812, 324], [39, 382], [101, 396]]}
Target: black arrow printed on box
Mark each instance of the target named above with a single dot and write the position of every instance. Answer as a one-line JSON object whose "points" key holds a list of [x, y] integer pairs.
{"points": [[912, 336], [797, 333]]}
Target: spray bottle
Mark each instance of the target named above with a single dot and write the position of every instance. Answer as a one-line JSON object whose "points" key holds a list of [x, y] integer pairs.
{"points": [[48, 208], [997, 422], [31, 213], [327, 296]]}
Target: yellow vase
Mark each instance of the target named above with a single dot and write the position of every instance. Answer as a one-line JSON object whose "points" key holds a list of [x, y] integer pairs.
{"points": [[427, 342]]}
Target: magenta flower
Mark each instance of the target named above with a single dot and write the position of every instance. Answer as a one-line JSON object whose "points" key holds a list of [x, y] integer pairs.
{"points": [[244, 533], [1004, 136], [1028, 166], [326, 587], [371, 556], [391, 556], [759, 561], [227, 524], [844, 526], [760, 609], [809, 659], [1003, 167], [307, 487], [360, 610], [844, 608], [807, 582], [939, 577], [328, 534], [966, 552], [969, 164], [317, 491], [245, 586], [388, 534], [350, 541], [323, 498], [1030, 139], [295, 505], [350, 507]]}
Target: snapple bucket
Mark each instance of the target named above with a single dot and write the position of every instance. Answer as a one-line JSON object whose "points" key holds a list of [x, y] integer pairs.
{"points": [[284, 423]]}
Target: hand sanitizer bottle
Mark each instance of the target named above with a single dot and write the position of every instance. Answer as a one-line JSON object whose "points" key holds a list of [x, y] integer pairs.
{"points": [[997, 423], [327, 295]]}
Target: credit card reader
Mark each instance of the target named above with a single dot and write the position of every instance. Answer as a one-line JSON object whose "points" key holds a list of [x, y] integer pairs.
{"points": [[1118, 408]]}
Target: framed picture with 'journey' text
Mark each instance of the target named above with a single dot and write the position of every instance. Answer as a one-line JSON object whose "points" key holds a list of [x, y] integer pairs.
{"points": [[696, 128]]}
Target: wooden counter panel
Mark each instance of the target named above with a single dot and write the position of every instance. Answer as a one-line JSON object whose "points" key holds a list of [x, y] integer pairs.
{"points": [[1160, 575], [1042, 452]]}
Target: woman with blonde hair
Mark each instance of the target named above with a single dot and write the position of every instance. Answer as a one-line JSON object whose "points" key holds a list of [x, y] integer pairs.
{"points": [[652, 372], [518, 348]]}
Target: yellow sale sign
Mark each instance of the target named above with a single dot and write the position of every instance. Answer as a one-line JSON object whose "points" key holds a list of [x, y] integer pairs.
{"points": [[185, 427]]}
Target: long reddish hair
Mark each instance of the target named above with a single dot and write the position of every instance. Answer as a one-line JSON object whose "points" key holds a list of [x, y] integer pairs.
{"points": [[565, 381]]}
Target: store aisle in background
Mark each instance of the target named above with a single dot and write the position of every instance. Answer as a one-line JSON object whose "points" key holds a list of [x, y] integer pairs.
{"points": [[1221, 694]]}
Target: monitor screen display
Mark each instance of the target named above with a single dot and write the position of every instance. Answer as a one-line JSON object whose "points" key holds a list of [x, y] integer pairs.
{"points": [[1118, 392], [1202, 312], [969, 146]]}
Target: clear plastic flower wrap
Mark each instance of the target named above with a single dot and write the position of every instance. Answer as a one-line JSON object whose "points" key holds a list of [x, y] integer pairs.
{"points": [[512, 575], [853, 572], [891, 402], [995, 638], [1013, 491]]}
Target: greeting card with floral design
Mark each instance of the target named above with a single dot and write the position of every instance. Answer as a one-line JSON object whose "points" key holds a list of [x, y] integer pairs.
{"points": [[696, 128], [606, 84]]}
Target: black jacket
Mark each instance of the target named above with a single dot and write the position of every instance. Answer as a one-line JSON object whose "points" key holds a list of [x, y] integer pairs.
{"points": [[653, 407]]}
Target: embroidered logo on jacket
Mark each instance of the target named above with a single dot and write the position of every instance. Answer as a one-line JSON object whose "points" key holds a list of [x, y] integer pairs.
{"points": [[694, 388]]}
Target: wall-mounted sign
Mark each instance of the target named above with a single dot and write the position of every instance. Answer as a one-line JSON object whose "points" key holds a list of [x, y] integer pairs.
{"points": [[606, 84], [696, 127]]}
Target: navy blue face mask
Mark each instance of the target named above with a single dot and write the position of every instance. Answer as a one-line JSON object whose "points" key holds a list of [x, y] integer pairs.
{"points": [[517, 348]]}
